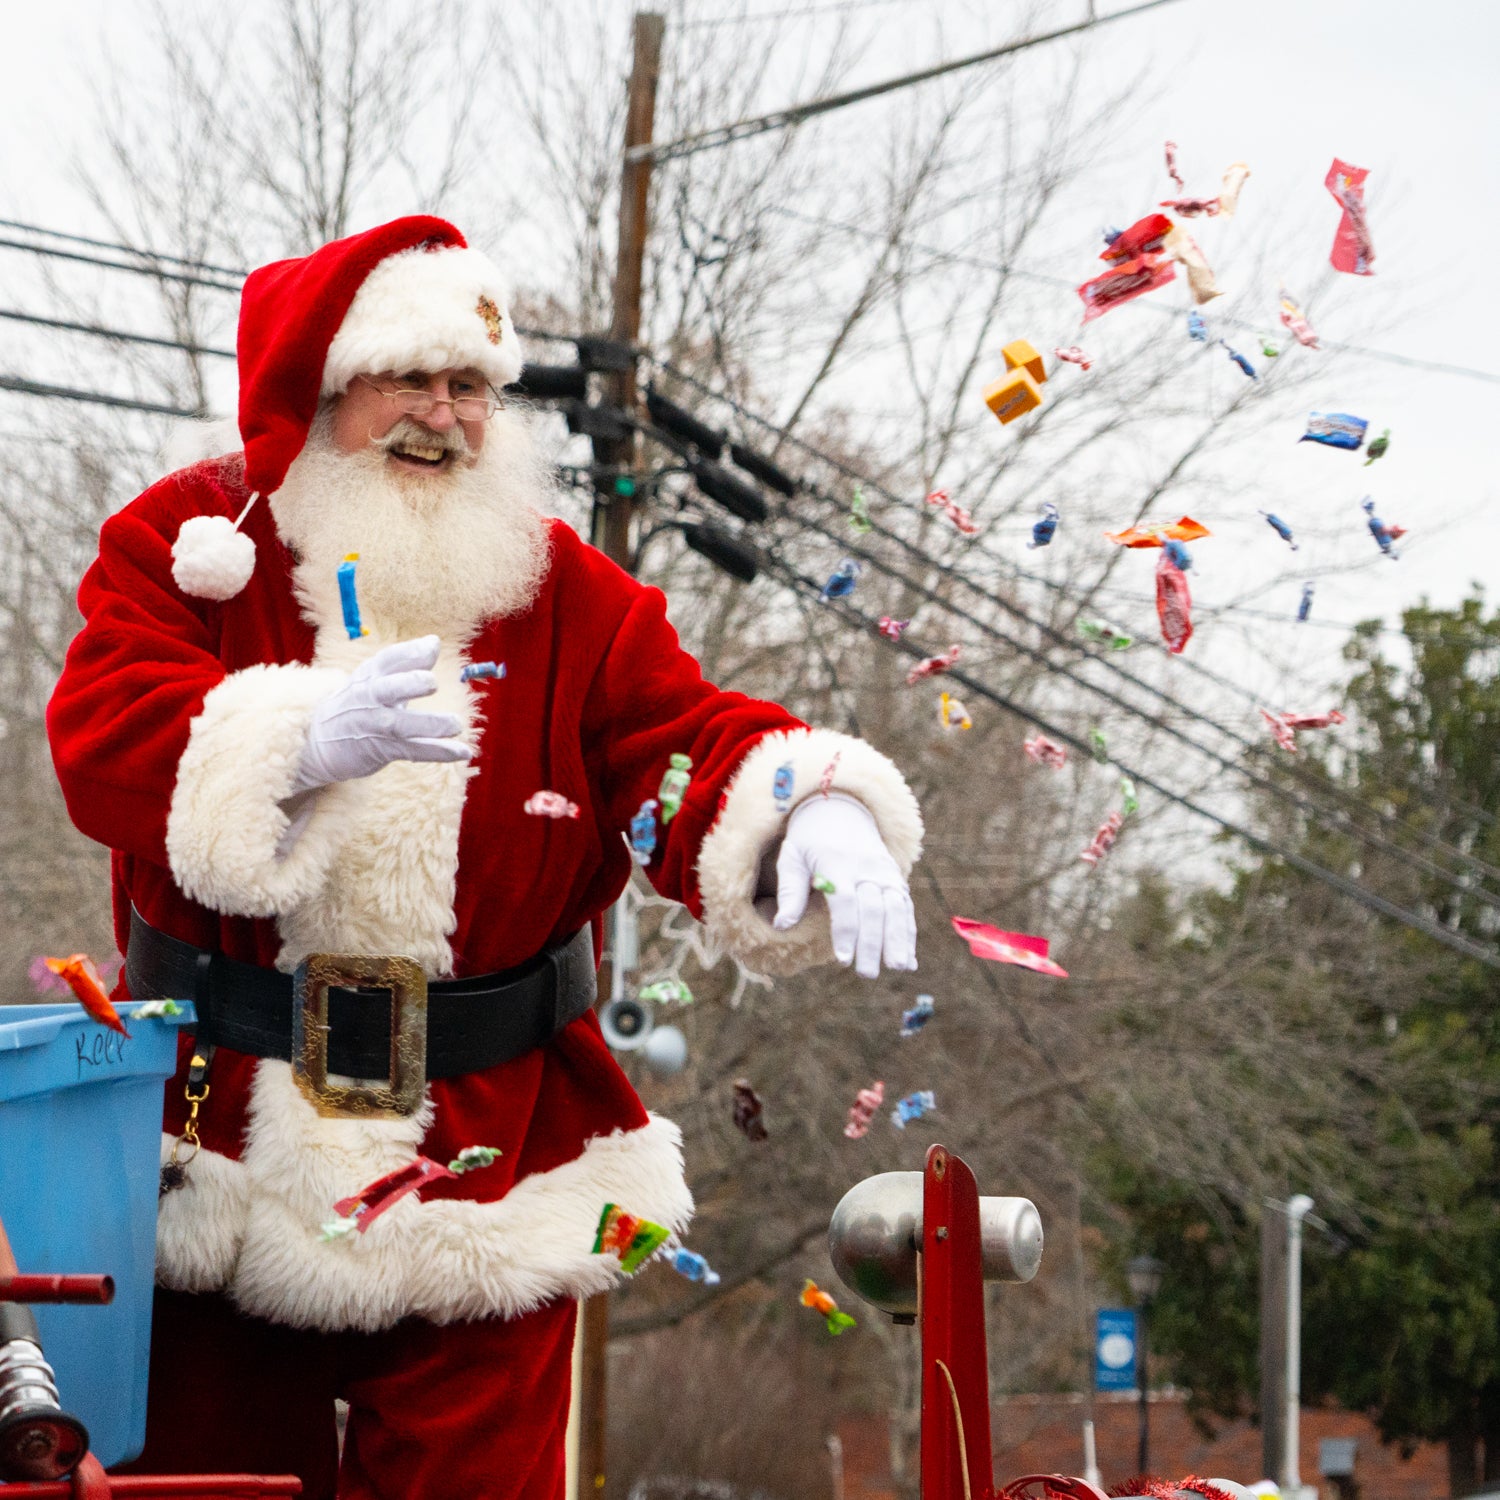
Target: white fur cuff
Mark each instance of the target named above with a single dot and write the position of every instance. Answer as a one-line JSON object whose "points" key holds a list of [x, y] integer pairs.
{"points": [[730, 859], [200, 1226], [225, 822]]}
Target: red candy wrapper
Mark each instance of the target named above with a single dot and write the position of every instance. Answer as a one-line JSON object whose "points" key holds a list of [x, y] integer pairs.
{"points": [[81, 976], [1174, 604], [1019, 948], [1172, 169], [1144, 237], [1192, 208], [1353, 251], [1104, 840], [386, 1192], [1132, 278]]}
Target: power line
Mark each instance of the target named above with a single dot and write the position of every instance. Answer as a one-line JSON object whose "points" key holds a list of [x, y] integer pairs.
{"points": [[158, 255], [96, 398], [754, 17], [115, 334], [115, 265]]}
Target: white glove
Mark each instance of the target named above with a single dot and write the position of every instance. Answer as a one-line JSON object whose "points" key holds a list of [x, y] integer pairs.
{"points": [[365, 724], [869, 907]]}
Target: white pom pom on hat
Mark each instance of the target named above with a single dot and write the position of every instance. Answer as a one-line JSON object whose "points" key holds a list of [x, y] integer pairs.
{"points": [[210, 559]]}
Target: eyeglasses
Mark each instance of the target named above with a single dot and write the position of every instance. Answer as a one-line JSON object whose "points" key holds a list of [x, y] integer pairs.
{"points": [[413, 403]]}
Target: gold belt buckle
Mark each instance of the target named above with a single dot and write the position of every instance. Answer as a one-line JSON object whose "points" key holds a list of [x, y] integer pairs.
{"points": [[402, 1095]]}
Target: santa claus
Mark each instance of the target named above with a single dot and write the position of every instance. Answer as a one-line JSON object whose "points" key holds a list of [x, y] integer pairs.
{"points": [[319, 835]]}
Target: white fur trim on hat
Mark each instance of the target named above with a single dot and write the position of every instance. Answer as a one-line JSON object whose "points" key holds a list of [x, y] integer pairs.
{"points": [[426, 310]]}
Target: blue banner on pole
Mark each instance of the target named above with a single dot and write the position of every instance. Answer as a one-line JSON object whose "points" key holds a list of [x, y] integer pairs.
{"points": [[1114, 1349]]}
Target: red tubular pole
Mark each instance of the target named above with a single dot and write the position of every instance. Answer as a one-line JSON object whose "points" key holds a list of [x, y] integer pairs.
{"points": [[91, 1289]]}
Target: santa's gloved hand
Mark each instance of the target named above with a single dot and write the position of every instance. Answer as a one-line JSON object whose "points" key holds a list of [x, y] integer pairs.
{"points": [[365, 724], [834, 841]]}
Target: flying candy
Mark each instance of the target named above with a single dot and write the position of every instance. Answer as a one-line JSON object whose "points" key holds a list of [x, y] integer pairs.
{"points": [[474, 1159], [814, 1296], [1284, 726], [781, 786], [546, 804], [1124, 282], [1197, 328], [80, 975], [1185, 530], [1377, 448], [1183, 248], [748, 1110], [692, 1265], [1240, 360], [1145, 237], [1103, 840], [1280, 528], [1018, 391], [825, 781], [1295, 321], [1130, 802], [1172, 169], [643, 832], [913, 1107], [913, 1020], [1044, 752], [1018, 948], [1383, 534], [859, 513], [841, 581], [674, 784], [1098, 745], [1304, 605], [627, 1236], [891, 628], [1043, 531], [933, 665], [862, 1111], [1269, 346], [1191, 208], [1178, 553], [1353, 250], [1105, 634], [1073, 355], [666, 992], [940, 500], [1335, 429], [1229, 188], [953, 714], [482, 671], [1174, 604]]}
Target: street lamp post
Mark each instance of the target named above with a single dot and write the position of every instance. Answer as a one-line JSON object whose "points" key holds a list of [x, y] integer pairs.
{"points": [[1297, 1209], [1144, 1274]]}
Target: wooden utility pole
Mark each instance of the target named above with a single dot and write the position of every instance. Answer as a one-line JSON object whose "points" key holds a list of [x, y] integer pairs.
{"points": [[614, 513]]}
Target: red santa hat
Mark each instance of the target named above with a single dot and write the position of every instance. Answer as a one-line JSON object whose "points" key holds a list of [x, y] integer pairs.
{"points": [[409, 295]]}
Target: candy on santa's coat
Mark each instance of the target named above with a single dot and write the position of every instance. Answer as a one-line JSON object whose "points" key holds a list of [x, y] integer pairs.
{"points": [[1073, 355], [1105, 634], [954, 512], [336, 1229], [482, 671], [862, 1111], [1304, 605], [1284, 726], [891, 628], [643, 832], [151, 1009], [546, 804], [748, 1110], [1178, 553], [841, 581], [1185, 530], [824, 884], [781, 786], [1239, 359], [931, 666], [348, 599], [666, 992], [1384, 535], [1353, 250], [1123, 283], [1229, 188], [692, 1265], [1098, 746], [859, 513], [1280, 528], [475, 1159], [1104, 840], [1130, 802], [825, 781], [1044, 752], [80, 975], [952, 713], [1044, 530], [1295, 322], [361, 1209], [627, 1236], [1335, 429], [913, 1020], [212, 558], [1377, 448], [1018, 948], [913, 1107], [1012, 396], [1174, 604], [1197, 328], [814, 1296], [674, 784]]}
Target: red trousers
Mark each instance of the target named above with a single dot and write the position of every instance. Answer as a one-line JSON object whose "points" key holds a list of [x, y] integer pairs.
{"points": [[477, 1410]]}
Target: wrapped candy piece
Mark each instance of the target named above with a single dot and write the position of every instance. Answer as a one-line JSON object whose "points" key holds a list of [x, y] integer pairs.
{"points": [[748, 1110], [154, 1008], [1018, 948], [627, 1236], [1130, 802], [1384, 535], [1045, 752], [1378, 447], [1073, 355], [1185, 530], [1284, 726], [1192, 208], [1013, 395], [1335, 429], [814, 1296], [1145, 237], [824, 884], [953, 713], [1174, 604], [781, 786], [1172, 169], [841, 581], [1304, 605], [825, 781], [913, 1020], [1295, 322], [1280, 528], [1229, 188], [859, 513], [482, 671], [913, 1107], [666, 992], [1353, 251], [891, 628], [359, 1210], [1105, 634], [933, 665], [674, 784], [1239, 359], [1183, 248], [474, 1159], [79, 973], [643, 832], [1044, 530], [1103, 840], [1098, 746], [348, 598], [1269, 346], [692, 1265], [862, 1111], [1178, 553], [941, 500], [1197, 328], [1124, 282], [546, 804]]}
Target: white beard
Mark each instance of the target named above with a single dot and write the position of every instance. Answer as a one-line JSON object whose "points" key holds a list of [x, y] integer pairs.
{"points": [[439, 553]]}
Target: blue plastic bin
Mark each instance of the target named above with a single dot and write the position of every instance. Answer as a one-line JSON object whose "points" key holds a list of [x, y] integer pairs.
{"points": [[80, 1134]]}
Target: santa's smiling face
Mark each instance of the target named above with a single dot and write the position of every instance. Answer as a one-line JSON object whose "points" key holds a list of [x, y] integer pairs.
{"points": [[424, 423]]}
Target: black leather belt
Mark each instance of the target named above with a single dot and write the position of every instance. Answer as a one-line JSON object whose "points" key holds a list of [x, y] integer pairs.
{"points": [[472, 1024]]}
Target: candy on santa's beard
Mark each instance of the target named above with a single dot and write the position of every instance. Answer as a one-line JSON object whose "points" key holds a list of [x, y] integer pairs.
{"points": [[348, 598]]}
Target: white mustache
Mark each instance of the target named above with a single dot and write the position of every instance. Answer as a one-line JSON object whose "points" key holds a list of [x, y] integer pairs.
{"points": [[409, 431]]}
